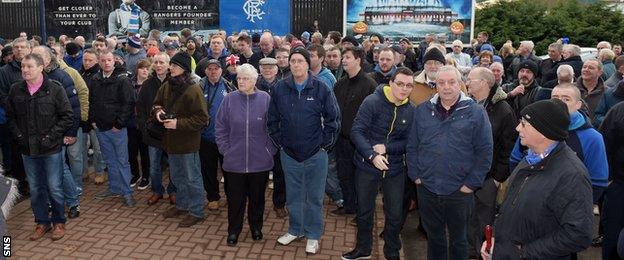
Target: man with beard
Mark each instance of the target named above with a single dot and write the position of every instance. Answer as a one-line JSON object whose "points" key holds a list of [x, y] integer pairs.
{"points": [[386, 68], [525, 90]]}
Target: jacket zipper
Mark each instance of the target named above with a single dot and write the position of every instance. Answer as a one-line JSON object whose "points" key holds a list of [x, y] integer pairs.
{"points": [[513, 203], [247, 138], [394, 115]]}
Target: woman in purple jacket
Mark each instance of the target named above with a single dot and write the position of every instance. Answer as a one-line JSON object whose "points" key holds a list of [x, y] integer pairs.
{"points": [[243, 140]]}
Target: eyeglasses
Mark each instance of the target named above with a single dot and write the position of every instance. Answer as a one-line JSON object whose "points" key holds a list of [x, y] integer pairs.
{"points": [[403, 85]]}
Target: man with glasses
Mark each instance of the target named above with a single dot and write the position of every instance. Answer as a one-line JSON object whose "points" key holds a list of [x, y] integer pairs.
{"points": [[449, 152], [380, 134]]}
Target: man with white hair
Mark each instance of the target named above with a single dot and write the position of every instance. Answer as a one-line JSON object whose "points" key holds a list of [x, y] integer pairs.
{"points": [[554, 56], [571, 54], [603, 45], [464, 63], [606, 56], [613, 81], [565, 74], [498, 70], [525, 52], [446, 167]]}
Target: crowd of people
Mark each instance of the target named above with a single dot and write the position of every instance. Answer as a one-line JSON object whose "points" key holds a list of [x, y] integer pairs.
{"points": [[469, 138]]}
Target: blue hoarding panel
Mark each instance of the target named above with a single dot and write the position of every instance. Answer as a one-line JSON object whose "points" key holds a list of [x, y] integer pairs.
{"points": [[255, 16]]}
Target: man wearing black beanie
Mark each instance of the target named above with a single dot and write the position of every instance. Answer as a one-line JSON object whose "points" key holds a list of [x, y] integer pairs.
{"points": [[525, 90], [547, 209]]}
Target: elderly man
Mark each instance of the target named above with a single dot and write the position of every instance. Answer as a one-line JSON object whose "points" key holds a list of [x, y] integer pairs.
{"points": [[547, 211], [525, 90], [591, 85], [498, 70], [483, 88], [463, 61], [554, 56], [446, 166], [267, 49], [304, 131], [425, 86], [565, 74], [525, 52], [613, 81], [571, 56], [606, 56], [603, 45]]}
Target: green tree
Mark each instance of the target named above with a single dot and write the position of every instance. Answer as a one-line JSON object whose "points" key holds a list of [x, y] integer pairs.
{"points": [[544, 22]]}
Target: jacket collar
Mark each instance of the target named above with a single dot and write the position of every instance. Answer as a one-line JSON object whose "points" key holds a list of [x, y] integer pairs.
{"points": [[462, 98]]}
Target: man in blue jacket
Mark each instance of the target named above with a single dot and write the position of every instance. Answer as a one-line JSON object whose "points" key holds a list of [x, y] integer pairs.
{"points": [[449, 153], [304, 121], [380, 132]]}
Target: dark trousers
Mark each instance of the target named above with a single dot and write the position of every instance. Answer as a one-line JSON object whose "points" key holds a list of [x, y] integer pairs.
{"points": [[240, 188], [612, 219], [5, 145], [392, 187], [210, 159], [17, 168], [442, 212], [345, 151], [136, 147], [483, 214], [279, 184]]}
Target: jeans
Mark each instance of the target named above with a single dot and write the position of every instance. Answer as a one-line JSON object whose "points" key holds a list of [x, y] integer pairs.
{"points": [[345, 150], [45, 175], [70, 191], [186, 176], [367, 184], [612, 218], [114, 147], [77, 159], [136, 147], [245, 190], [98, 159], [442, 212], [332, 187], [210, 159], [156, 174], [305, 186]]}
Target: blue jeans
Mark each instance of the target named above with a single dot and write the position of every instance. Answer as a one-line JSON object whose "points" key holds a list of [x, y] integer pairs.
{"points": [[77, 159], [332, 186], [72, 197], [45, 177], [98, 160], [185, 173], [367, 184], [305, 186], [114, 147], [156, 174], [441, 212]]}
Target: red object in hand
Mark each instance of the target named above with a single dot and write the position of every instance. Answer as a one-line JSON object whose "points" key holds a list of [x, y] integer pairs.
{"points": [[488, 237], [232, 60]]}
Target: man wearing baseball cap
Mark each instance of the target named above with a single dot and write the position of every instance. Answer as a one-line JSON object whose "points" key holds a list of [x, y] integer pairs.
{"points": [[303, 123], [547, 210]]}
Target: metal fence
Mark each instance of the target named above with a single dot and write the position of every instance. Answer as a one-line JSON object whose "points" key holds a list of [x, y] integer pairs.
{"points": [[19, 16], [328, 13]]}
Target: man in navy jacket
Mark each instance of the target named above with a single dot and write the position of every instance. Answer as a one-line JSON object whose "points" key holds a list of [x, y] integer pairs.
{"points": [[304, 121], [449, 153]]}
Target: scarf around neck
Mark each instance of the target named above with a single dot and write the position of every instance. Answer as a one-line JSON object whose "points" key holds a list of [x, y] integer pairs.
{"points": [[135, 11]]}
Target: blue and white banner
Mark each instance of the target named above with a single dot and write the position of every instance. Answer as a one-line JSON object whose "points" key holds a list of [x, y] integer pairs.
{"points": [[255, 16]]}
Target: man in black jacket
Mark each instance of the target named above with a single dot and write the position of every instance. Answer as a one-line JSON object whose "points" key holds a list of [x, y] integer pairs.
{"points": [[483, 88], [350, 91], [612, 216], [111, 100], [547, 210], [145, 101], [39, 114], [525, 90]]}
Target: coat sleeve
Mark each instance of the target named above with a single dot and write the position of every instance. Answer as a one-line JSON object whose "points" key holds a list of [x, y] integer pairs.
{"points": [[145, 24], [505, 140], [413, 141], [483, 146], [222, 125], [611, 134], [83, 93], [274, 119], [595, 159], [601, 110], [64, 114], [68, 84], [571, 204], [127, 96], [331, 119], [11, 116], [361, 127], [399, 147], [199, 112]]}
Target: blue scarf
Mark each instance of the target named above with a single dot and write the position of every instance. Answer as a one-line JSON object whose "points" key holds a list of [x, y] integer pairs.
{"points": [[533, 158], [391, 72], [135, 11], [576, 120]]}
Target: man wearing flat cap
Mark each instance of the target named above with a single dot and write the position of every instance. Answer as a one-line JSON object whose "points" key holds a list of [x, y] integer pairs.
{"points": [[525, 90], [547, 210]]}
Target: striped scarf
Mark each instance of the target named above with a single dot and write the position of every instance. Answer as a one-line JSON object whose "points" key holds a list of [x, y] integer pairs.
{"points": [[135, 11]]}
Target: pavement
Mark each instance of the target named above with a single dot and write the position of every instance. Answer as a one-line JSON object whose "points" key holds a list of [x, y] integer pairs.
{"points": [[106, 229]]}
